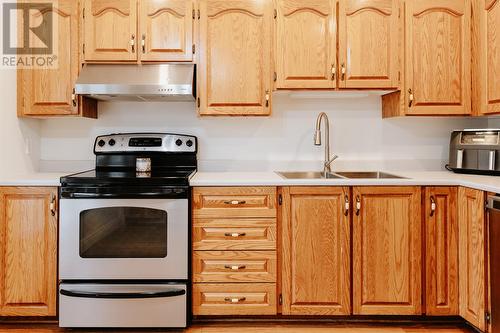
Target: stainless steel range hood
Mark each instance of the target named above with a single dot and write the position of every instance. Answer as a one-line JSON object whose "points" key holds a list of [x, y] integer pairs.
{"points": [[165, 82]]}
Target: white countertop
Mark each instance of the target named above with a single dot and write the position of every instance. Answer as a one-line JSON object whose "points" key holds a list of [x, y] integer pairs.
{"points": [[429, 178]]}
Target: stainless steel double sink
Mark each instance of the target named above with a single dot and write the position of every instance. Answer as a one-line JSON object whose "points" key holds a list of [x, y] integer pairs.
{"points": [[339, 175]]}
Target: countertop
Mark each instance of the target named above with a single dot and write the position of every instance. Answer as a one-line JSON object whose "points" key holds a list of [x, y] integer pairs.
{"points": [[429, 178]]}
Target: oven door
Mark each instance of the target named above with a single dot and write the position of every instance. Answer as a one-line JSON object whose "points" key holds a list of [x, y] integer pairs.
{"points": [[123, 239]]}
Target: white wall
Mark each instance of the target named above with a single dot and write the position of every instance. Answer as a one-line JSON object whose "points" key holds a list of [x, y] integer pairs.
{"points": [[284, 140], [19, 138]]}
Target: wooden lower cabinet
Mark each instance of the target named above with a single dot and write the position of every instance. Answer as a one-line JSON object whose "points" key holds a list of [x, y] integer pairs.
{"points": [[441, 251], [472, 258], [316, 251], [387, 251], [28, 247]]}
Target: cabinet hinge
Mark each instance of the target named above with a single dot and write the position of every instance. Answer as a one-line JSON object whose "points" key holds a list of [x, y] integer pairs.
{"points": [[199, 14], [275, 14], [83, 11], [194, 14], [280, 199], [487, 317], [399, 76], [280, 299], [83, 48], [194, 49], [486, 206], [199, 102], [275, 78]]}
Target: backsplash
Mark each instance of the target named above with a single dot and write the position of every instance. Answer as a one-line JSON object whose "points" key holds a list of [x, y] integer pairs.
{"points": [[359, 135]]}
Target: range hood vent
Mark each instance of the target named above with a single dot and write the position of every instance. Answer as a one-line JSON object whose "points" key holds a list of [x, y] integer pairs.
{"points": [[139, 83]]}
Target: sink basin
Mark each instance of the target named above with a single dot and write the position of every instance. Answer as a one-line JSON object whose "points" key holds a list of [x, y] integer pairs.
{"points": [[308, 175], [367, 175], [338, 175]]}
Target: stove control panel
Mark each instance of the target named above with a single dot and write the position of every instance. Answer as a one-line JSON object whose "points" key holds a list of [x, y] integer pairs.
{"points": [[145, 142]]}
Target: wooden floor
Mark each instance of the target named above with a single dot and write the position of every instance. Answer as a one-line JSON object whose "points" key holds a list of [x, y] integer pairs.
{"points": [[251, 328]]}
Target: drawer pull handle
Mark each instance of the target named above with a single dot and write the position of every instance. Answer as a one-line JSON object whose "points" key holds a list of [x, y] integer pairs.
{"points": [[235, 267], [235, 234], [235, 202], [235, 300]]}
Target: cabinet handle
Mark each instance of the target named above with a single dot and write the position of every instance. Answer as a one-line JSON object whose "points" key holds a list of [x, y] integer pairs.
{"points": [[334, 72], [346, 206], [143, 43], [235, 234], [235, 267], [235, 300], [235, 202], [411, 97], [358, 205], [433, 206], [342, 71], [73, 98], [267, 98], [132, 43], [52, 206]]}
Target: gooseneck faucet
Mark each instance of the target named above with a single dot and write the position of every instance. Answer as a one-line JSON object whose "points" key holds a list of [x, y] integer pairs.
{"points": [[317, 141]]}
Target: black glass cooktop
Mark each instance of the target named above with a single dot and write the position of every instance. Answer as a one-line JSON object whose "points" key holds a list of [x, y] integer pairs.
{"points": [[127, 177]]}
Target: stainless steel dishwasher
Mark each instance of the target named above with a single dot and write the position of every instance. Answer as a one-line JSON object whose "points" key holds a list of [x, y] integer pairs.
{"points": [[494, 241]]}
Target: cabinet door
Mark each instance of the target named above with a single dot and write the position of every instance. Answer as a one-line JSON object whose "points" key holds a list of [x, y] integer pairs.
{"points": [[472, 282], [306, 44], [441, 251], [48, 91], [438, 57], [166, 30], [235, 57], [316, 251], [387, 251], [28, 229], [110, 30], [369, 39], [486, 56]]}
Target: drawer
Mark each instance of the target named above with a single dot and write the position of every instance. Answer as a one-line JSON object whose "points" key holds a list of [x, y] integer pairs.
{"points": [[234, 266], [234, 234], [224, 202], [234, 299]]}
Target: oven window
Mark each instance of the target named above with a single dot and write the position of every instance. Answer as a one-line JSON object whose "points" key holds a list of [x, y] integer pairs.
{"points": [[123, 232]]}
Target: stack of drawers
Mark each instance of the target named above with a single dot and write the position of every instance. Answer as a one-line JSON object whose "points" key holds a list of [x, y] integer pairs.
{"points": [[234, 250]]}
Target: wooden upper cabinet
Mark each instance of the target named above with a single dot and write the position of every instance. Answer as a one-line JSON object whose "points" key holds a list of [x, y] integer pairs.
{"points": [[306, 44], [369, 43], [438, 57], [486, 55], [28, 260], [49, 91], [166, 30], [387, 251], [472, 279], [235, 57], [111, 30], [316, 251], [441, 251]]}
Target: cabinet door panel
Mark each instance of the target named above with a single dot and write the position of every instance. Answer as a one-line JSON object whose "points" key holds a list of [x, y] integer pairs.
{"points": [[472, 256], [166, 30], [316, 260], [306, 44], [29, 252], [438, 57], [387, 251], [111, 30], [486, 56], [441, 251], [48, 91], [369, 43], [235, 57]]}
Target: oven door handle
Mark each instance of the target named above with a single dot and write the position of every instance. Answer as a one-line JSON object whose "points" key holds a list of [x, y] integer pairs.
{"points": [[110, 295]]}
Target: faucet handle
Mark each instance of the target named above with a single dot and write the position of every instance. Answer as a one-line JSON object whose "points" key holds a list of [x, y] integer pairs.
{"points": [[327, 164]]}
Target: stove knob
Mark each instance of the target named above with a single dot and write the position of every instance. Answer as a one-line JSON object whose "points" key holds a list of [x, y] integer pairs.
{"points": [[178, 142], [101, 143], [112, 142], [189, 143]]}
